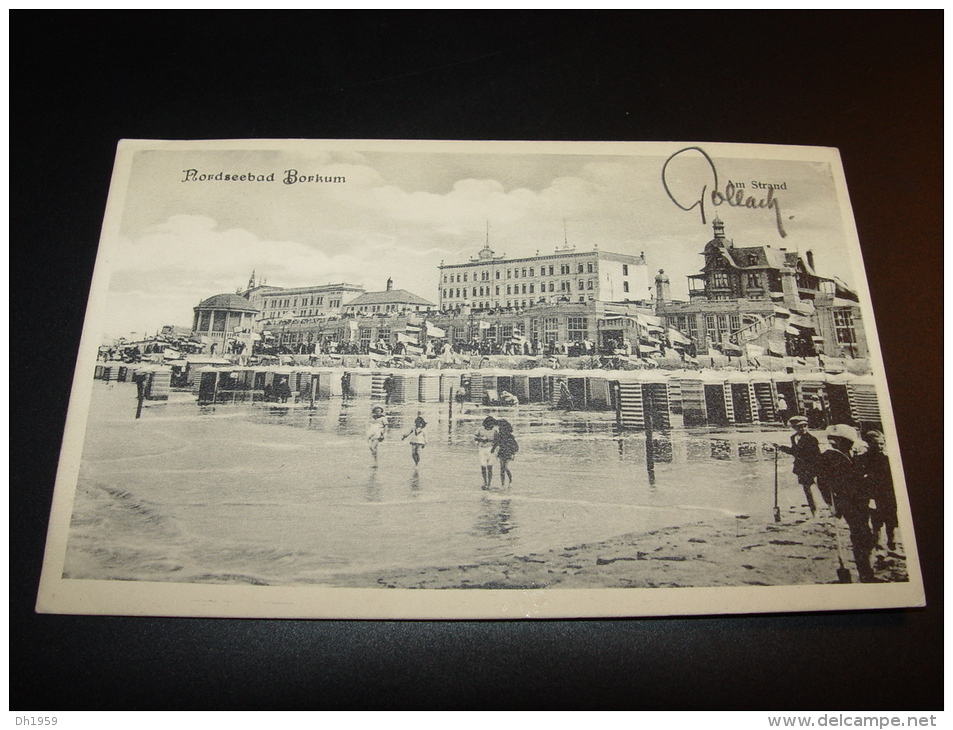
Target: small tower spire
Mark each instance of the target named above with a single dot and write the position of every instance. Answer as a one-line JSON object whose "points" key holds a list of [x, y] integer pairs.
{"points": [[662, 291], [486, 253]]}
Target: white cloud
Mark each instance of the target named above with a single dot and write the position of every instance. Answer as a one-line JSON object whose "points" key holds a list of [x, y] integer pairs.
{"points": [[402, 221]]}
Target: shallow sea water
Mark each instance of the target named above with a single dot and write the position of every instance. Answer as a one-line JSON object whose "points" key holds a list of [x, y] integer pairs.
{"points": [[265, 494]]}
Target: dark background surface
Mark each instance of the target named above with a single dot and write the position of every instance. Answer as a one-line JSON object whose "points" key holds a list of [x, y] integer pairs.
{"points": [[867, 83]]}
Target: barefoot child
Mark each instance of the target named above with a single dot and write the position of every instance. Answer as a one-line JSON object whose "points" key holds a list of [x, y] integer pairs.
{"points": [[485, 438], [375, 431], [418, 438], [505, 448]]}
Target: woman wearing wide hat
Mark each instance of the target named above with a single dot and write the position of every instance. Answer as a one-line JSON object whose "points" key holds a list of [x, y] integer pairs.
{"points": [[841, 483]]}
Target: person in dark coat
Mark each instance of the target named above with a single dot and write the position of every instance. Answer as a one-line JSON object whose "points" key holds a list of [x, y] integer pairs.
{"points": [[841, 483], [814, 410], [390, 384], [807, 453], [505, 447], [875, 467], [282, 390]]}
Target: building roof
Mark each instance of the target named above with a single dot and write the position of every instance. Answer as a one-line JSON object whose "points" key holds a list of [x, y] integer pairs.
{"points": [[230, 302], [756, 256], [391, 296], [317, 288], [761, 257], [557, 254]]}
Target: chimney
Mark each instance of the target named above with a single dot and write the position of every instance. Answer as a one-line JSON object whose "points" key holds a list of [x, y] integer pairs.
{"points": [[810, 260], [390, 283]]}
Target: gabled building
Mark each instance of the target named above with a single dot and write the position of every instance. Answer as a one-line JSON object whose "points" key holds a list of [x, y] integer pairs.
{"points": [[764, 300], [389, 301], [277, 303]]}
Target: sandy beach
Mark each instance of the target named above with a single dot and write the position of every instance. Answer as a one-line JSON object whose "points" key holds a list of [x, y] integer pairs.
{"points": [[735, 551], [265, 496]]}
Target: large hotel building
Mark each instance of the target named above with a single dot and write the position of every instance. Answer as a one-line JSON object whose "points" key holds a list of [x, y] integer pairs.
{"points": [[567, 275], [752, 300]]}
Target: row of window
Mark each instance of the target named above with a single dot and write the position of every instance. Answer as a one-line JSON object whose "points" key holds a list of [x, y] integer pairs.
{"points": [[527, 271], [844, 327], [289, 302], [718, 325], [686, 324], [273, 313], [524, 303], [564, 286], [753, 281], [380, 307]]}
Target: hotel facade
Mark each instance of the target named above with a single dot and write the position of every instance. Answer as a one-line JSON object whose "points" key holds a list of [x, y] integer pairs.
{"points": [[566, 275]]}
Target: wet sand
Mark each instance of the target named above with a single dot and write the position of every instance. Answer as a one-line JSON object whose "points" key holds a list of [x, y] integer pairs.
{"points": [[276, 496], [735, 551]]}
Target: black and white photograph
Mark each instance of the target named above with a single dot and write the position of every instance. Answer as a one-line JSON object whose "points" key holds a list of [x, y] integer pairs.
{"points": [[385, 379]]}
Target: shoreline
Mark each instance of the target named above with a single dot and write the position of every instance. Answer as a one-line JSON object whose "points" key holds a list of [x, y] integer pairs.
{"points": [[730, 551]]}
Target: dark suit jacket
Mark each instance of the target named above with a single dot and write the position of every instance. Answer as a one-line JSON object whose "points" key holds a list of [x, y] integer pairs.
{"points": [[807, 454], [840, 478]]}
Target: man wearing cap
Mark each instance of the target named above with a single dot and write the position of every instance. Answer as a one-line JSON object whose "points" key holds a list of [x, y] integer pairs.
{"points": [[841, 483], [807, 453], [875, 467]]}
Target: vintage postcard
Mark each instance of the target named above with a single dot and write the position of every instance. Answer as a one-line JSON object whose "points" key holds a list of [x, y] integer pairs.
{"points": [[456, 380]]}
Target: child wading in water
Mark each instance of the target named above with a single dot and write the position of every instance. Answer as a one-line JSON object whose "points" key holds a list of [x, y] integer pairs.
{"points": [[375, 431], [418, 438], [485, 439], [505, 448]]}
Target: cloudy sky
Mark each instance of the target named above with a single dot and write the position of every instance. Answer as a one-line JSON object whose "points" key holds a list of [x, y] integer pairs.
{"points": [[400, 213]]}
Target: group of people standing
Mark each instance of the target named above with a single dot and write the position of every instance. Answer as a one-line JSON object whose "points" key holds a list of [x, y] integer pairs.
{"points": [[855, 484], [495, 443]]}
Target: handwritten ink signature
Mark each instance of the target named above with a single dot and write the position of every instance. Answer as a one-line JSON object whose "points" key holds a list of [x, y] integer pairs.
{"points": [[732, 196]]}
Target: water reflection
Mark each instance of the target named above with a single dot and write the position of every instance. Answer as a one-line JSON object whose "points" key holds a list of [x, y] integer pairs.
{"points": [[662, 450], [574, 484], [748, 451], [495, 518], [697, 449], [720, 449], [372, 488], [539, 429]]}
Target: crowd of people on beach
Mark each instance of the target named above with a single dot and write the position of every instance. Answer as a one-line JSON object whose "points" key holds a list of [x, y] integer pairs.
{"points": [[854, 481]]}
